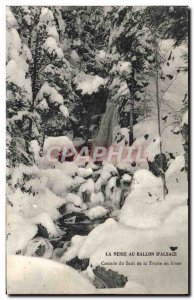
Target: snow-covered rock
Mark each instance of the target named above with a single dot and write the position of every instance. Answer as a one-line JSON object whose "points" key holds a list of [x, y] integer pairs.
{"points": [[45, 220], [97, 212], [113, 191], [75, 199], [97, 198], [84, 172], [126, 178], [59, 142], [70, 207], [39, 247], [87, 187], [76, 242], [108, 170], [79, 180]]}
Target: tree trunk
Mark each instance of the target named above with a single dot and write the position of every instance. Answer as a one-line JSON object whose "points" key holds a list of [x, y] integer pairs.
{"points": [[158, 103], [131, 87], [34, 73]]}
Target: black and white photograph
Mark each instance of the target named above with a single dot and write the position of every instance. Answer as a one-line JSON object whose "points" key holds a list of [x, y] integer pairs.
{"points": [[97, 150]]}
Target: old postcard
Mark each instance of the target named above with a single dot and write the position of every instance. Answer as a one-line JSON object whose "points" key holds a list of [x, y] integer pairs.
{"points": [[97, 150]]}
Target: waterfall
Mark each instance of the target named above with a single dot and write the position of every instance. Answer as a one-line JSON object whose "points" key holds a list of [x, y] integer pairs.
{"points": [[107, 125]]}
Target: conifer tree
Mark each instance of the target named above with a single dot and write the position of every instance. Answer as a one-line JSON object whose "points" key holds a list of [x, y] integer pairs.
{"points": [[132, 41], [19, 96]]}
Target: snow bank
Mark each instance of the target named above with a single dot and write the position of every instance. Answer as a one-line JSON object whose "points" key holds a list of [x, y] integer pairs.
{"points": [[58, 182], [19, 233], [144, 207], [146, 136], [176, 181], [47, 202], [185, 118], [49, 277], [114, 237], [98, 234], [30, 206], [131, 287]]}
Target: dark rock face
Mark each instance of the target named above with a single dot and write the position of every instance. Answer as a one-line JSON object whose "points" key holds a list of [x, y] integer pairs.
{"points": [[42, 231], [58, 243], [62, 209], [108, 278], [40, 250], [159, 165], [78, 264]]}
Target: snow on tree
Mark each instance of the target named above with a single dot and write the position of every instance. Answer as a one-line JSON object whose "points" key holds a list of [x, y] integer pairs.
{"points": [[50, 71], [20, 122], [131, 42]]}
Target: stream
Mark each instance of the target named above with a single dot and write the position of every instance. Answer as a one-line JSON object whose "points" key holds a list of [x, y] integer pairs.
{"points": [[75, 224]]}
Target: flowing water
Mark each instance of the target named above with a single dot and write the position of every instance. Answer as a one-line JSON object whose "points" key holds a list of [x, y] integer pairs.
{"points": [[107, 125]]}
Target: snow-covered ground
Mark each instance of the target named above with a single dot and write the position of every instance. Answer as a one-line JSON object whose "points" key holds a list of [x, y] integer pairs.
{"points": [[145, 223]]}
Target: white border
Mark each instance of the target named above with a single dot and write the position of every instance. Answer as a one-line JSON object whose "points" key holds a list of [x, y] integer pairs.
{"points": [[96, 2], [3, 4]]}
